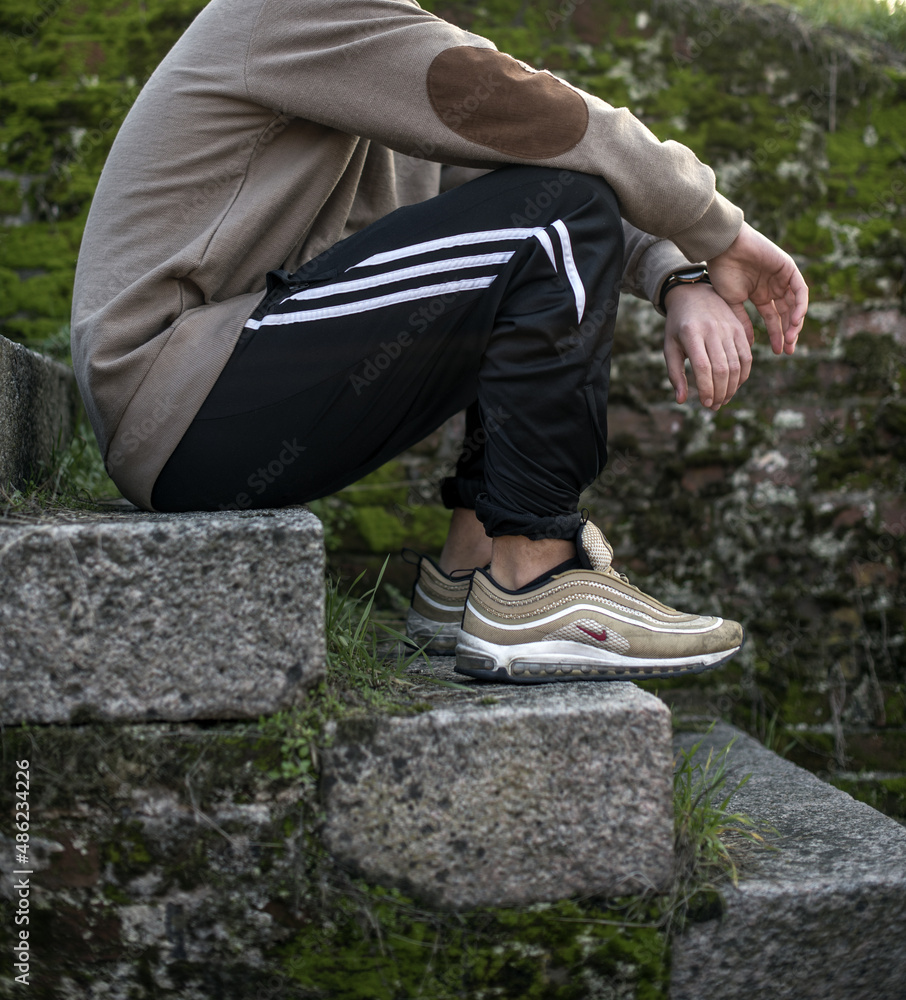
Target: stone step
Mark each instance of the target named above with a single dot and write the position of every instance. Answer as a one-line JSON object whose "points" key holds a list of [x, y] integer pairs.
{"points": [[120, 614], [180, 855], [175, 859], [504, 794], [822, 917], [38, 406]]}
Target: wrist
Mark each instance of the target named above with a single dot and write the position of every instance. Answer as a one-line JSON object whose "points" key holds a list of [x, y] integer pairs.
{"points": [[682, 278]]}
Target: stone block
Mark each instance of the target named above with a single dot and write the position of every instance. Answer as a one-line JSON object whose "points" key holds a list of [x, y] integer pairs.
{"points": [[165, 861], [878, 321], [502, 795], [127, 615], [823, 916], [38, 406]]}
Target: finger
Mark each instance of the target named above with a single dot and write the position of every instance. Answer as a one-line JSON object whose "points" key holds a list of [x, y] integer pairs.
{"points": [[701, 368], [739, 311], [768, 312], [799, 290], [791, 303], [676, 369], [739, 358], [724, 371], [792, 328], [739, 362], [744, 353]]}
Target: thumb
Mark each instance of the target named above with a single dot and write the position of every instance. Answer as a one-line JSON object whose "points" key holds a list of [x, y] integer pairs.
{"points": [[676, 369]]}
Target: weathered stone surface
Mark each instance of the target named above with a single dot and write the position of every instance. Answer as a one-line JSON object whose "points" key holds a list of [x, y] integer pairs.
{"points": [[824, 917], [166, 862], [503, 795], [130, 615], [38, 406]]}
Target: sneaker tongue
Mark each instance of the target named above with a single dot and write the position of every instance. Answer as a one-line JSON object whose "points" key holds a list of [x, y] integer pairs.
{"points": [[593, 548]]}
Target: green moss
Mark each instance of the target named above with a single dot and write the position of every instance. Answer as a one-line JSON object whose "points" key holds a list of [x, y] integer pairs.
{"points": [[385, 486], [801, 703], [877, 358], [895, 709], [888, 795], [116, 895], [428, 528], [10, 198], [382, 530], [380, 945], [127, 851], [423, 528], [808, 235]]}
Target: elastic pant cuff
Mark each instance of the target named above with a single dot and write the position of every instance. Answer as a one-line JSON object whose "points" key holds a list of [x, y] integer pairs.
{"points": [[499, 521], [456, 491]]}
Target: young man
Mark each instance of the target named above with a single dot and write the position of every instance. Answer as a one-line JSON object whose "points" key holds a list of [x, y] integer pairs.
{"points": [[302, 140]]}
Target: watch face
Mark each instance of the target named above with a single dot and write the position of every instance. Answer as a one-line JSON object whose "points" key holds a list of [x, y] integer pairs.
{"points": [[691, 273]]}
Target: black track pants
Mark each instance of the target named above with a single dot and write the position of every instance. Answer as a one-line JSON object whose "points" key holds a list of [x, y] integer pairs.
{"points": [[499, 296]]}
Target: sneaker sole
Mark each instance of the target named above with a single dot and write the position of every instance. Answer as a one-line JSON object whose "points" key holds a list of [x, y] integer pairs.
{"points": [[546, 662], [441, 637]]}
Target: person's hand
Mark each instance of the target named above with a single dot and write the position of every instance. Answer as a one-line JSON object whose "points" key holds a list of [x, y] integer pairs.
{"points": [[704, 329], [754, 268]]}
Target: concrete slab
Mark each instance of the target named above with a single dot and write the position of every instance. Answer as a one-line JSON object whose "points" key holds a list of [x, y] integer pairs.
{"points": [[126, 615], [38, 405], [823, 917], [502, 795]]}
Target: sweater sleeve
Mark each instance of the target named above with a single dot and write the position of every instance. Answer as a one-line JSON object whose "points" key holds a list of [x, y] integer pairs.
{"points": [[646, 263], [388, 71]]}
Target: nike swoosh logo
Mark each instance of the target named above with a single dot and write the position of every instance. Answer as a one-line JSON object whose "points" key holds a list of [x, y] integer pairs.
{"points": [[600, 636]]}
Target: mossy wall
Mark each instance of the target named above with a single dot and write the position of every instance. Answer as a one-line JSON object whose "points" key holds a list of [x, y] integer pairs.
{"points": [[786, 509], [182, 861]]}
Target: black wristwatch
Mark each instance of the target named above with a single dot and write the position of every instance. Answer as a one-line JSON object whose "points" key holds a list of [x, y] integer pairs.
{"points": [[691, 275]]}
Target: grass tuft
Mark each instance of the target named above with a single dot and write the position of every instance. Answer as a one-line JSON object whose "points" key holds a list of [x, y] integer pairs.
{"points": [[76, 480], [711, 842]]}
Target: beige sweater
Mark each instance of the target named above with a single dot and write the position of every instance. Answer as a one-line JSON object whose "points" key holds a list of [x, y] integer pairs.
{"points": [[273, 129]]}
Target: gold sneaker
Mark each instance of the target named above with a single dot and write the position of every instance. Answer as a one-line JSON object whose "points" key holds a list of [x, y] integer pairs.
{"points": [[438, 601], [585, 624]]}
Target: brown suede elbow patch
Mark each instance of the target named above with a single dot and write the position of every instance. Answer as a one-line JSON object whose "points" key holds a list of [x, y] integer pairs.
{"points": [[490, 99]]}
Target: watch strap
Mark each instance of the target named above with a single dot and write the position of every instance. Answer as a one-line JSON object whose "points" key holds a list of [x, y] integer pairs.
{"points": [[686, 276]]}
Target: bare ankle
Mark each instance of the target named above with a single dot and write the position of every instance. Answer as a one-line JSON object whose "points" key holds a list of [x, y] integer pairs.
{"points": [[467, 545], [517, 560]]}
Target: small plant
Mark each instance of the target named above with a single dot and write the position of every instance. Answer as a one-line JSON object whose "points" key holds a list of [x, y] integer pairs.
{"points": [[775, 736], [357, 660], [296, 734], [360, 674], [75, 478], [710, 841]]}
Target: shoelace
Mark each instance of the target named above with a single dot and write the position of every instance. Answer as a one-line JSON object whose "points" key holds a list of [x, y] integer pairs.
{"points": [[620, 576]]}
